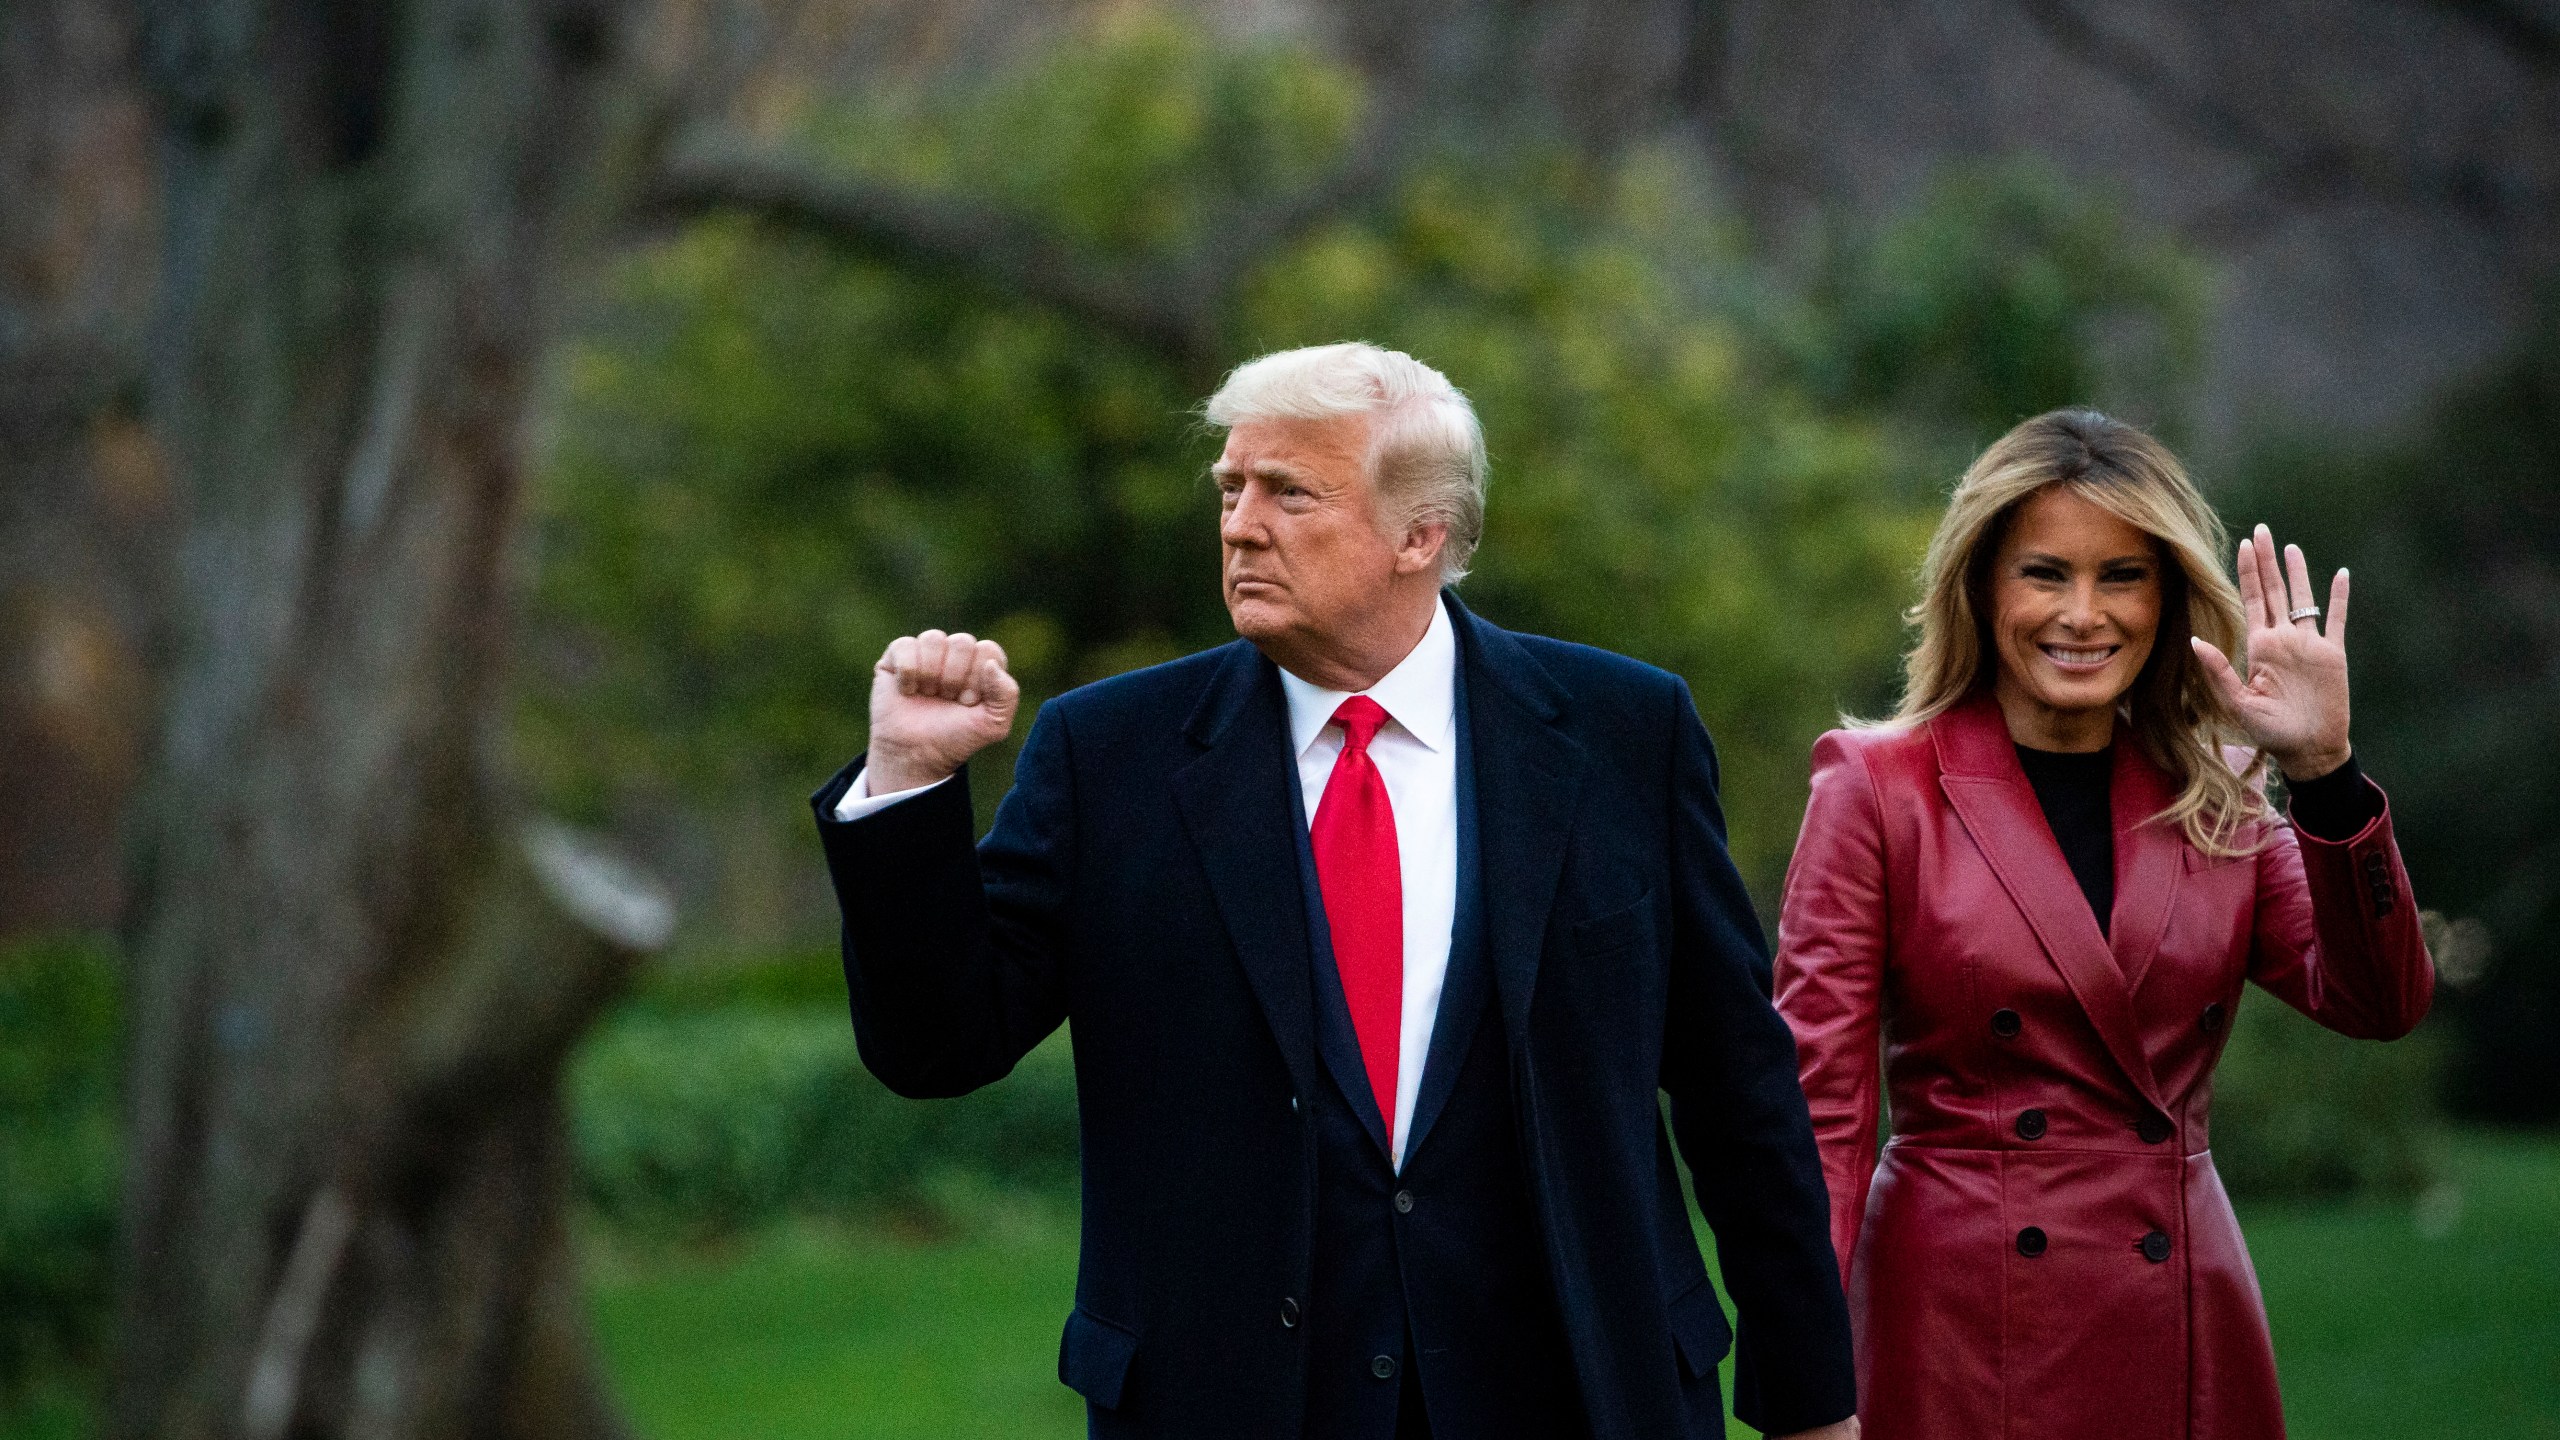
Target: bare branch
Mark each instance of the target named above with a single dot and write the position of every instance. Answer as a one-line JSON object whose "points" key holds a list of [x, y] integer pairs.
{"points": [[2329, 166], [293, 1315], [2534, 37], [1172, 308], [1169, 312]]}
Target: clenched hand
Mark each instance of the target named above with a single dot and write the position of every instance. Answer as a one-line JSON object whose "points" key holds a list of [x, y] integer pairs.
{"points": [[936, 700]]}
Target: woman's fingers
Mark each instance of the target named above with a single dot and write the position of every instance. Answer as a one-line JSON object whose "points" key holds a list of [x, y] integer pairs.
{"points": [[2297, 575], [2337, 627], [2217, 668], [2253, 596], [2270, 577]]}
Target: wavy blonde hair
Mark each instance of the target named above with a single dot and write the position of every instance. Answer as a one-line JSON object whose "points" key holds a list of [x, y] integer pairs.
{"points": [[2172, 709]]}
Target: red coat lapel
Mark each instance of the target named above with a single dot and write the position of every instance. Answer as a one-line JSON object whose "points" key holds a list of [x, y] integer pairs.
{"points": [[1979, 772], [2149, 859]]}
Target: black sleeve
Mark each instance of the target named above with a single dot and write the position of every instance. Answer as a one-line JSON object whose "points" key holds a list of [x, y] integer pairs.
{"points": [[1738, 1112], [2334, 806], [952, 952]]}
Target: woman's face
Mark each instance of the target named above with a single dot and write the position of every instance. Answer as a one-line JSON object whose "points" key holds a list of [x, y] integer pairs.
{"points": [[2075, 604]]}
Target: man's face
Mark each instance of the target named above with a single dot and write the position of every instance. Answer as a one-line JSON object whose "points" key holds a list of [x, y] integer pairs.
{"points": [[1307, 561]]}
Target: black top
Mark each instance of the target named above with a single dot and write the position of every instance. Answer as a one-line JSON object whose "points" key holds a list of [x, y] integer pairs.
{"points": [[2072, 790]]}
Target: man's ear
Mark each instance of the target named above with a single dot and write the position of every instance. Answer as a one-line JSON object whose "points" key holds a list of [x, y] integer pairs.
{"points": [[1423, 542]]}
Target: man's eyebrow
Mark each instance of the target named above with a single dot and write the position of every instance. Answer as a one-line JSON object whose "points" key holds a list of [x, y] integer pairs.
{"points": [[1264, 469]]}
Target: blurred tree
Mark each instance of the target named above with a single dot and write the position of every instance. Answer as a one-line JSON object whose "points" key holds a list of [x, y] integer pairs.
{"points": [[354, 976], [82, 491]]}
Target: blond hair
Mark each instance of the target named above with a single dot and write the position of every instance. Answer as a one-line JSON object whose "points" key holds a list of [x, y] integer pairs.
{"points": [[2176, 716], [1426, 450]]}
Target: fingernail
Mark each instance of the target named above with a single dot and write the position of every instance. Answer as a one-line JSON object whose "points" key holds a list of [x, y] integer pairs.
{"points": [[968, 697]]}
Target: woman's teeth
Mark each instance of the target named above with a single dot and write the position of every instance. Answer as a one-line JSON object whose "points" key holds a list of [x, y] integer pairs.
{"points": [[2065, 656]]}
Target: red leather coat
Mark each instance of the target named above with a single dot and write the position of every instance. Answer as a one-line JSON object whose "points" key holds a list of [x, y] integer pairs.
{"points": [[2043, 1249]]}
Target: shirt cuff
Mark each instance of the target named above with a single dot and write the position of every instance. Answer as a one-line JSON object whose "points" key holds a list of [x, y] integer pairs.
{"points": [[2335, 806], [858, 800]]}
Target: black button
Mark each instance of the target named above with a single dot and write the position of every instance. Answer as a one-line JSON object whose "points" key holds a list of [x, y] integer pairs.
{"points": [[2006, 1024], [2031, 1242], [2212, 1018], [1384, 1367], [2155, 1246], [2030, 1124], [1289, 1312], [1404, 1202], [2153, 1128]]}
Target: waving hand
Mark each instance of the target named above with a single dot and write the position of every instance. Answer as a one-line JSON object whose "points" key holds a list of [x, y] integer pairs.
{"points": [[2294, 702]]}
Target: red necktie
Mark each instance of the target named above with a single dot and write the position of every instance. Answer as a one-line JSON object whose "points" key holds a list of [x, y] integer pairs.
{"points": [[1354, 837]]}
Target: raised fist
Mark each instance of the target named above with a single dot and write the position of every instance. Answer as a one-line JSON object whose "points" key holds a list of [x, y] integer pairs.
{"points": [[936, 700]]}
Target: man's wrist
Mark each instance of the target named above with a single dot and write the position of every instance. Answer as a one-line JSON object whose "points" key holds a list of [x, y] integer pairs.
{"points": [[892, 775]]}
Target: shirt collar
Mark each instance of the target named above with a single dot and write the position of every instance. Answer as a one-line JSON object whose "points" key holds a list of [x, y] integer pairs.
{"points": [[1418, 695]]}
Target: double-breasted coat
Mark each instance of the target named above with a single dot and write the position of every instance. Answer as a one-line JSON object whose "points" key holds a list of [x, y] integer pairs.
{"points": [[2043, 1248]]}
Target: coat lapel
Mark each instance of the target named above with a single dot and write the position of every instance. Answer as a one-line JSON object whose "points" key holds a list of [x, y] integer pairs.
{"points": [[1236, 807], [1528, 774], [1979, 772], [2149, 859]]}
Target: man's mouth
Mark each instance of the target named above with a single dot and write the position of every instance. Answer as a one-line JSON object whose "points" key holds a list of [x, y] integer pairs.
{"points": [[2080, 657]]}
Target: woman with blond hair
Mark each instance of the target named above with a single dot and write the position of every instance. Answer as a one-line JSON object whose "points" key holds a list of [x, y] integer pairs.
{"points": [[2019, 919]]}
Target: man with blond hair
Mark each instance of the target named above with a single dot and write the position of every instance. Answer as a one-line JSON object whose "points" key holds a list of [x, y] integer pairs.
{"points": [[1379, 931]]}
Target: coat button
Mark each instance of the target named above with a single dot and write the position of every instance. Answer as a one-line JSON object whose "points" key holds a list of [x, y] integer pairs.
{"points": [[1384, 1367], [2030, 1124], [2155, 1246], [2031, 1242], [2153, 1128], [1404, 1202], [2006, 1024], [2212, 1018], [1289, 1312]]}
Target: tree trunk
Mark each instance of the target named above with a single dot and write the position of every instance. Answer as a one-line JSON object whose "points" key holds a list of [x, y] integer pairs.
{"points": [[82, 500], [354, 976]]}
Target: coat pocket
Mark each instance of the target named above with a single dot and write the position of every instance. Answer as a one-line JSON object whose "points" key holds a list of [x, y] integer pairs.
{"points": [[1698, 1330], [1094, 1356], [1615, 930]]}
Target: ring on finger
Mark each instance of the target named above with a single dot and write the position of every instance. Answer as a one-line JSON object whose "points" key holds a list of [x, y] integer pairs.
{"points": [[2307, 612]]}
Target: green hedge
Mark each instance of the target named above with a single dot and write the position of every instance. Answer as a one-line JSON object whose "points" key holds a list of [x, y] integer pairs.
{"points": [[2300, 1113], [58, 1170], [726, 1097], [722, 1118]]}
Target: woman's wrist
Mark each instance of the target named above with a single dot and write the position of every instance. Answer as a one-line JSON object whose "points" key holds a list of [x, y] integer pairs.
{"points": [[2305, 765]]}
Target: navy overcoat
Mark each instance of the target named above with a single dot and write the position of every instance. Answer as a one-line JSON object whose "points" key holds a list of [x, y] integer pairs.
{"points": [[1139, 884]]}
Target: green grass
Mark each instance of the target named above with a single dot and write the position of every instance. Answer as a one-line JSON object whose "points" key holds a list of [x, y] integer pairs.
{"points": [[2391, 1322], [2439, 1320]]}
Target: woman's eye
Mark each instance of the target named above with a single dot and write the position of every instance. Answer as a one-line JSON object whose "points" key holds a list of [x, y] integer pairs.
{"points": [[2134, 575], [2041, 572]]}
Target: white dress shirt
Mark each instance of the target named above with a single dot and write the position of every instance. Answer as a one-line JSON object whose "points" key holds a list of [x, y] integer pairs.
{"points": [[1416, 753]]}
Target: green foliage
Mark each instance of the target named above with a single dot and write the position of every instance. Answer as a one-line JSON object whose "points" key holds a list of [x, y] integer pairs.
{"points": [[2005, 294], [689, 1120], [2300, 1113], [773, 459], [58, 1167]]}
